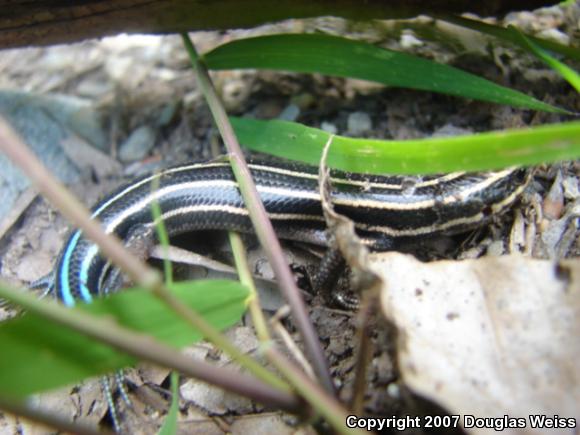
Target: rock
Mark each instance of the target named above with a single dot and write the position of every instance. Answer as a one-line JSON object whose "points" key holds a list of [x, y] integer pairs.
{"points": [[328, 127], [358, 123], [290, 113], [449, 130], [554, 35], [138, 144], [409, 40], [169, 113], [234, 89], [45, 122]]}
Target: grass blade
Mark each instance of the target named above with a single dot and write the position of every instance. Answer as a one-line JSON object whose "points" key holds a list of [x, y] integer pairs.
{"points": [[170, 424], [567, 73], [331, 55], [506, 35], [475, 152]]}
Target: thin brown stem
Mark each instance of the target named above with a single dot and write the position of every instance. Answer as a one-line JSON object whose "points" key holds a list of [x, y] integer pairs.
{"points": [[262, 225]]}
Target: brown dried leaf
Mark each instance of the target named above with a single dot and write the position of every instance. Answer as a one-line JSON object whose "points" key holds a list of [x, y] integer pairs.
{"points": [[489, 337]]}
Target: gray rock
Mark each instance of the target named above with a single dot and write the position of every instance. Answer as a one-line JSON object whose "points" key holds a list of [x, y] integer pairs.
{"points": [[169, 113], [358, 123], [290, 113], [449, 130], [409, 40], [328, 127], [554, 35], [45, 122], [138, 144]]}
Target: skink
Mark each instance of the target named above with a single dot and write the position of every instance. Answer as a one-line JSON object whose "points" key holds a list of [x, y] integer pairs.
{"points": [[202, 196]]}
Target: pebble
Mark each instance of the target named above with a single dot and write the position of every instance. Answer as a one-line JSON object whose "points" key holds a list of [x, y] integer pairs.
{"points": [[138, 144], [554, 35], [329, 127], [449, 130], [393, 390], [234, 91], [409, 40], [358, 123], [169, 113], [45, 122], [290, 113]]}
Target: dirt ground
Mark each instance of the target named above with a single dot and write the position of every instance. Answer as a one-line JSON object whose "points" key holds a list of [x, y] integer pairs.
{"points": [[143, 92]]}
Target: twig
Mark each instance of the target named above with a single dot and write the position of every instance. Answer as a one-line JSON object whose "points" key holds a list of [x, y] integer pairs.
{"points": [[246, 278], [262, 225]]}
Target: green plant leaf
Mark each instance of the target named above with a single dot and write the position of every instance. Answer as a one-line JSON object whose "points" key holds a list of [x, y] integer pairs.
{"points": [[38, 355], [342, 57], [506, 35], [170, 424], [565, 71], [475, 152], [161, 232]]}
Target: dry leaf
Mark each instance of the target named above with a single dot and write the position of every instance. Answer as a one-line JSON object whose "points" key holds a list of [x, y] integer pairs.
{"points": [[494, 338]]}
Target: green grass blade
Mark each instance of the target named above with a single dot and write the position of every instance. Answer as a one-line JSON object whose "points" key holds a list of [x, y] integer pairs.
{"points": [[161, 232], [342, 57], [568, 73], [505, 34], [38, 355], [472, 153], [170, 424]]}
